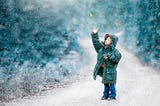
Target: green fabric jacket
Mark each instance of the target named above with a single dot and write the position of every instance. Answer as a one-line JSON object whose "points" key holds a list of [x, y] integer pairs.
{"points": [[109, 73]]}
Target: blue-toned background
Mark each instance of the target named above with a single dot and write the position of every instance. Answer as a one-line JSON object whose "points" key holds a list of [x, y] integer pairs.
{"points": [[39, 38]]}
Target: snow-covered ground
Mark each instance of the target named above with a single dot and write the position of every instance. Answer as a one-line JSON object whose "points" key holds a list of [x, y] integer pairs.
{"points": [[138, 85]]}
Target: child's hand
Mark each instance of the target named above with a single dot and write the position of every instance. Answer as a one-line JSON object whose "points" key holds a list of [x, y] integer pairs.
{"points": [[95, 30], [105, 56]]}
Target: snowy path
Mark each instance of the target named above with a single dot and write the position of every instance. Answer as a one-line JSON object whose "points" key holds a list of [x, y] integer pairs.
{"points": [[137, 85]]}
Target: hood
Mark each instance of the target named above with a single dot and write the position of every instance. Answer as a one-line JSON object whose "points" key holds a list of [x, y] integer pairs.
{"points": [[114, 40]]}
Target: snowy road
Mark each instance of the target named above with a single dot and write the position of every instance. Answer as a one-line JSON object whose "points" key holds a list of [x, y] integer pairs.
{"points": [[137, 85]]}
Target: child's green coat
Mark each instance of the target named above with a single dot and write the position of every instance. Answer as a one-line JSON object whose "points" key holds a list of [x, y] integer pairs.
{"points": [[109, 74]]}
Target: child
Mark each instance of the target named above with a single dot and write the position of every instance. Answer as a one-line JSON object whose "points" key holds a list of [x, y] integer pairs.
{"points": [[108, 58]]}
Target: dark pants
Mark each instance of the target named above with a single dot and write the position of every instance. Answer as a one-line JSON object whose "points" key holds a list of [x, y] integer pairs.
{"points": [[109, 91]]}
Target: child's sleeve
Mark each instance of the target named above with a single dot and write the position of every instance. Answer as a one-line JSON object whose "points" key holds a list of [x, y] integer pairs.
{"points": [[95, 40], [115, 56]]}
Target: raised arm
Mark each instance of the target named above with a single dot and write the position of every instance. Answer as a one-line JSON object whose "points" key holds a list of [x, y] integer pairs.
{"points": [[95, 40]]}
